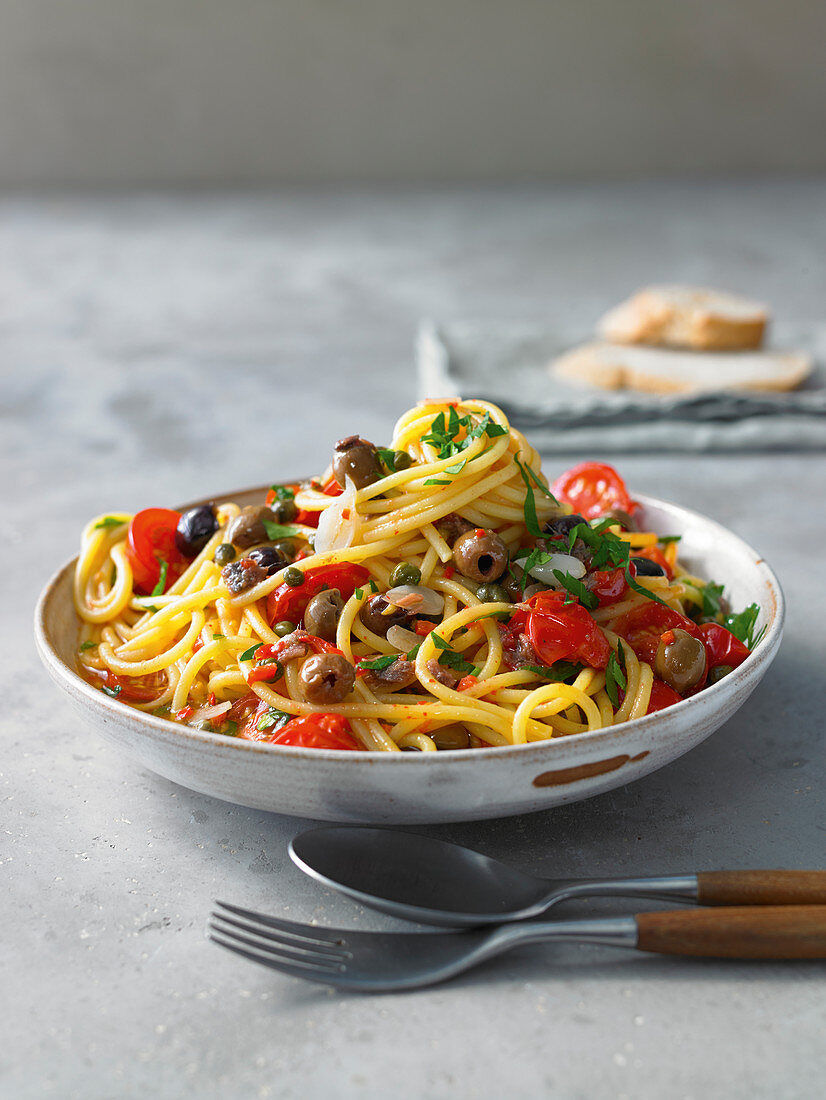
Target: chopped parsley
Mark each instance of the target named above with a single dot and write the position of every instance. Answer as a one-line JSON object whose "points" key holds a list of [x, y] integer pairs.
{"points": [[559, 671], [380, 662], [248, 654], [444, 433], [272, 719], [159, 587], [450, 658], [282, 492], [114, 692], [608, 550], [87, 645], [577, 590], [229, 728], [109, 521], [436, 481], [712, 599], [615, 678]]}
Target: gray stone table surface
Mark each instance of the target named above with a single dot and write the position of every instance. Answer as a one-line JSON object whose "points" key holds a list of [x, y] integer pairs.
{"points": [[156, 348]]}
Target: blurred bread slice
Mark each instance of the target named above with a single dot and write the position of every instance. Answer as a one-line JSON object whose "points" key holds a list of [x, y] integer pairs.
{"points": [[686, 317], [663, 370]]}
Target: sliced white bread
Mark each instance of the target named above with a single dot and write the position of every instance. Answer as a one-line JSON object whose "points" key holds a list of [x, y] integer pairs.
{"points": [[663, 370], [686, 317]]}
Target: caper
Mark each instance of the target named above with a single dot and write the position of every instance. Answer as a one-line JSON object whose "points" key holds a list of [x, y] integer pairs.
{"points": [[718, 672], [224, 554], [405, 573], [283, 628], [402, 460], [492, 593], [293, 577]]}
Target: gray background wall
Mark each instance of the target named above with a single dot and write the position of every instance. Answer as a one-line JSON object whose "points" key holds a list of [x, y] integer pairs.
{"points": [[166, 91]]}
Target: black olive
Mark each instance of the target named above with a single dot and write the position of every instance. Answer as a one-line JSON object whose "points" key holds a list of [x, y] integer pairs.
{"points": [[270, 558], [560, 527], [373, 618], [647, 568], [195, 528]]}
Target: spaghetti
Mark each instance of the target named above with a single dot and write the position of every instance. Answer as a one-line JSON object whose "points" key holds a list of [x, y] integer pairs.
{"points": [[433, 595]]}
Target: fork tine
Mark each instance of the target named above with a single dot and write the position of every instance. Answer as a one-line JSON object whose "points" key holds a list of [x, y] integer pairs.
{"points": [[322, 937], [294, 947], [294, 969]]}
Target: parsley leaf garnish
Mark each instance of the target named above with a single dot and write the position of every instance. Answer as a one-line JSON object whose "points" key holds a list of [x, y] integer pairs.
{"points": [[712, 602], [444, 432], [451, 659], [109, 521], [531, 521], [577, 589], [277, 531], [248, 654], [742, 625], [436, 481], [114, 692], [229, 728], [87, 645]]}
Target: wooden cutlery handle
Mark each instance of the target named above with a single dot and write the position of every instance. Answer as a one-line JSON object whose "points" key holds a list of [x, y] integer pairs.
{"points": [[772, 932], [761, 887]]}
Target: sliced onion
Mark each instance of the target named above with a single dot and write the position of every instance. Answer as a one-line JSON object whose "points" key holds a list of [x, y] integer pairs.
{"points": [[416, 599], [565, 563], [206, 713], [339, 525], [401, 639]]}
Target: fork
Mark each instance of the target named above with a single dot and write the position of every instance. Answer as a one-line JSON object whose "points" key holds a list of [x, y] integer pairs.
{"points": [[384, 961]]}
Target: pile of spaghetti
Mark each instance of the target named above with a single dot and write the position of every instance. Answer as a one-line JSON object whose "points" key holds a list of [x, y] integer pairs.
{"points": [[435, 594]]}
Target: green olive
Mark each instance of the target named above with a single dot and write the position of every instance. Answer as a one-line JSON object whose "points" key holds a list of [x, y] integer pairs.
{"points": [[405, 573], [492, 593], [284, 628], [451, 737], [293, 577], [402, 460], [718, 672], [284, 511], [225, 554], [681, 661]]}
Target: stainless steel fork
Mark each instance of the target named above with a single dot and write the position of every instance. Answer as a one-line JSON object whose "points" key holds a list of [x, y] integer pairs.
{"points": [[384, 961]]}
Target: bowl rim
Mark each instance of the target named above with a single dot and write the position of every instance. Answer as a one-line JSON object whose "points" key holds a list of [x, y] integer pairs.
{"points": [[73, 682]]}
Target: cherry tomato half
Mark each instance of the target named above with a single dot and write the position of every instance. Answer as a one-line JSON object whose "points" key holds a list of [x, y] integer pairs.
{"points": [[131, 689], [316, 731], [150, 541], [559, 630], [592, 489], [722, 647], [287, 602], [662, 696]]}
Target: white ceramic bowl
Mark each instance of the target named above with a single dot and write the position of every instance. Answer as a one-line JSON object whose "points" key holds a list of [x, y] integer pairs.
{"points": [[414, 788]]}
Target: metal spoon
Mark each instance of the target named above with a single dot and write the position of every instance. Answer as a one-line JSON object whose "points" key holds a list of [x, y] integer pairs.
{"points": [[434, 882]]}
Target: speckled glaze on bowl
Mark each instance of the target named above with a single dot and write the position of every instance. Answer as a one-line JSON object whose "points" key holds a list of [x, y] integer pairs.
{"points": [[419, 788]]}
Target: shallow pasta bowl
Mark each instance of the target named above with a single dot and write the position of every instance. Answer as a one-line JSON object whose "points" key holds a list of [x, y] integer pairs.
{"points": [[419, 788]]}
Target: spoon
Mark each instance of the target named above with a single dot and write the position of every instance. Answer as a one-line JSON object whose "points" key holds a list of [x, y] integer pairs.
{"points": [[435, 882]]}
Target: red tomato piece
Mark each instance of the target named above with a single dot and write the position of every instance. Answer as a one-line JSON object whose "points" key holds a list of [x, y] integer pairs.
{"points": [[722, 647], [316, 731], [608, 585], [150, 541], [643, 627], [662, 696], [565, 631], [330, 488], [288, 602], [592, 489], [133, 689]]}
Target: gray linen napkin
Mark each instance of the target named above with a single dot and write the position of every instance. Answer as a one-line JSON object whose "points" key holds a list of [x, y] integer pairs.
{"points": [[507, 364]]}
